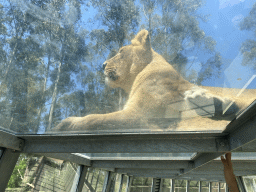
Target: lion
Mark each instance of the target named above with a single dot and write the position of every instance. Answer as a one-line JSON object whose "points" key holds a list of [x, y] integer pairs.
{"points": [[157, 91]]}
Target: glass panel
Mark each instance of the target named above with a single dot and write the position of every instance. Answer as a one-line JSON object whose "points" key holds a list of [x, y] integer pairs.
{"points": [[139, 156], [205, 186], [125, 66], [167, 185], [95, 179], [193, 186], [43, 174], [141, 184], [250, 183], [125, 183]]}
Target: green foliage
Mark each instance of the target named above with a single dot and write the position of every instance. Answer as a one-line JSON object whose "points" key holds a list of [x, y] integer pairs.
{"points": [[18, 172], [248, 48]]}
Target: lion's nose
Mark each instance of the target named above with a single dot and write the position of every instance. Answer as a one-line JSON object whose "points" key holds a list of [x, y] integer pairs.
{"points": [[104, 65]]}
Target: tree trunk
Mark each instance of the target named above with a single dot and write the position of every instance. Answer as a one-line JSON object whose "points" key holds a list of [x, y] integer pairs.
{"points": [[54, 97], [43, 94]]}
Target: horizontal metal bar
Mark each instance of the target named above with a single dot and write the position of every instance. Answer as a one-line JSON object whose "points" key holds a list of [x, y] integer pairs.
{"points": [[140, 156], [119, 145], [194, 178], [147, 171], [143, 164], [237, 165], [10, 141], [68, 157], [221, 172]]}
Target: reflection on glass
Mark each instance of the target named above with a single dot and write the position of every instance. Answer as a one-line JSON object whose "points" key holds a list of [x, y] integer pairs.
{"points": [[141, 184], [95, 179], [250, 183], [150, 66]]}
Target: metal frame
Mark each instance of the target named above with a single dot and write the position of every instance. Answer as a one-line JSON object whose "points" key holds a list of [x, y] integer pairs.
{"points": [[7, 163], [81, 178], [239, 135]]}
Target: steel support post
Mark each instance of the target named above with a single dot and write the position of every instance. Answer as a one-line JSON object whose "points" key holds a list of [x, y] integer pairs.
{"points": [[187, 185], [241, 184], [161, 185], [7, 163], [219, 187], [172, 185], [110, 181], [81, 178], [118, 180], [96, 185], [121, 182], [210, 186], [106, 182], [226, 188], [200, 186], [93, 171], [129, 183]]}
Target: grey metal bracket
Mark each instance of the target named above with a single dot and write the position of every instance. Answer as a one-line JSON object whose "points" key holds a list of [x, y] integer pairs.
{"points": [[10, 141]]}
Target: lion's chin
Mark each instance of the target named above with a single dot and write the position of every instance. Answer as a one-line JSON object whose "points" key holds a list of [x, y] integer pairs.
{"points": [[110, 82]]}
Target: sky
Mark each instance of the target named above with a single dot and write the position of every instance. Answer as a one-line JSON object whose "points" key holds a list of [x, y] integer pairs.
{"points": [[223, 27]]}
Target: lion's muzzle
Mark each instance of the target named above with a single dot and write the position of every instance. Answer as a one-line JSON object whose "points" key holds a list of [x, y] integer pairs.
{"points": [[112, 75]]}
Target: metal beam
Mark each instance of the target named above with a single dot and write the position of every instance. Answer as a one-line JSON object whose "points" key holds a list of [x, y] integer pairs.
{"points": [[210, 186], [187, 185], [121, 183], [89, 185], [75, 158], [147, 171], [129, 183], [201, 160], [10, 141], [81, 179], [242, 130], [200, 186], [244, 135], [241, 184], [153, 175], [118, 144], [105, 183], [172, 185], [142, 164], [7, 164]]}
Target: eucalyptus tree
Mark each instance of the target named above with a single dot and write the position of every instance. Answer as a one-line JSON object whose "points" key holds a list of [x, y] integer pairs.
{"points": [[119, 21], [176, 34], [22, 57], [248, 48], [69, 52]]}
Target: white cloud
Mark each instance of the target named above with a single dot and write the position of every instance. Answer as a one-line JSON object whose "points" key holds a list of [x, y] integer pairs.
{"points": [[237, 19]]}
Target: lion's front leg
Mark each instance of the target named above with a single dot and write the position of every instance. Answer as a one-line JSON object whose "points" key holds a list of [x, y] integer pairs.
{"points": [[80, 123], [117, 120]]}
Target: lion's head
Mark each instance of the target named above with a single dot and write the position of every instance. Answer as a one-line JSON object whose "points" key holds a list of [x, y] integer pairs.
{"points": [[121, 70]]}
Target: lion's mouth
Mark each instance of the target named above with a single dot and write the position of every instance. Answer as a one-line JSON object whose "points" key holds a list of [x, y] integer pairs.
{"points": [[112, 75]]}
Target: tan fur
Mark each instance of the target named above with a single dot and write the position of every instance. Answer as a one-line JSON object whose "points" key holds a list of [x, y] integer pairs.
{"points": [[152, 85]]}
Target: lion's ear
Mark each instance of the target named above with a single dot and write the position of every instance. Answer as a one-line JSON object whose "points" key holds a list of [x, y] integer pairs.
{"points": [[142, 38]]}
